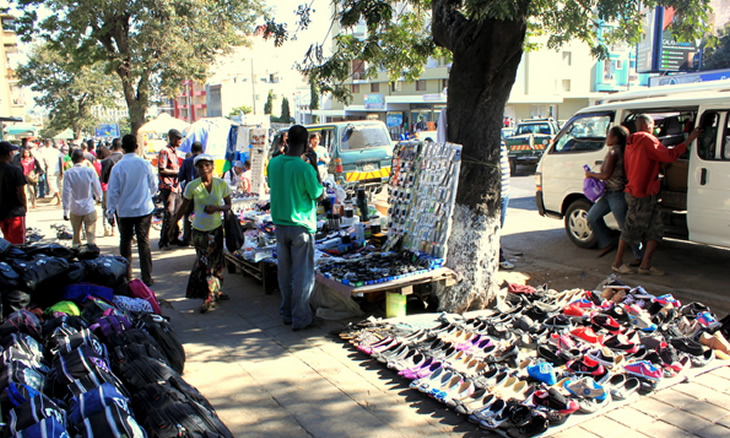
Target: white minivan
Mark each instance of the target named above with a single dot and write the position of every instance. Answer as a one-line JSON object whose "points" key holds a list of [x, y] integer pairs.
{"points": [[695, 190]]}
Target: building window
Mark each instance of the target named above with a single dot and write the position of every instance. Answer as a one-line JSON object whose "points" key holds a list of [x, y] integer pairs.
{"points": [[355, 88], [444, 85], [566, 85], [394, 86], [358, 69], [567, 58], [420, 85], [375, 87]]}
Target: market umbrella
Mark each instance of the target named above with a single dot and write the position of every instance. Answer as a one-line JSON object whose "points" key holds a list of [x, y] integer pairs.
{"points": [[64, 135], [163, 123]]}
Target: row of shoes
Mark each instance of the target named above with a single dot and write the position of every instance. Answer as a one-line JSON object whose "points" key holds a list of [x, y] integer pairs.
{"points": [[544, 355]]}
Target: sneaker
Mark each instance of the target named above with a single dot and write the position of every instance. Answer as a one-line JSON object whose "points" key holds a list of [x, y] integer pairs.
{"points": [[605, 357], [554, 400], [563, 342], [708, 320], [586, 334], [715, 341], [651, 271], [586, 365], [586, 388], [642, 322], [644, 369], [603, 321], [687, 345], [506, 265], [668, 299], [543, 371], [574, 310], [621, 343], [558, 322]]}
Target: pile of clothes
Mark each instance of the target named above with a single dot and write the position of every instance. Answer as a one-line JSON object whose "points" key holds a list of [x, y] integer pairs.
{"points": [[543, 356]]}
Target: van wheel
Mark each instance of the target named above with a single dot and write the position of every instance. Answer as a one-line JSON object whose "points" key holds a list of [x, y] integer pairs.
{"points": [[576, 224]]}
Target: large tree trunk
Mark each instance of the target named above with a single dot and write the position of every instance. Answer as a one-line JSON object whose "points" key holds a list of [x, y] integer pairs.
{"points": [[136, 97], [485, 59]]}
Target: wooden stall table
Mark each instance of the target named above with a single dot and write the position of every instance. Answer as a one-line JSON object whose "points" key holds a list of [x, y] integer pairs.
{"points": [[400, 287], [263, 271]]}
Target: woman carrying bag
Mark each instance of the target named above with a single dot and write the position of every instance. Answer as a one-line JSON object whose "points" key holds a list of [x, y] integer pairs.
{"points": [[612, 173], [210, 196], [32, 170]]}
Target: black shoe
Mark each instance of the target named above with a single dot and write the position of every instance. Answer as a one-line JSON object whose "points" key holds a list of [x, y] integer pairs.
{"points": [[223, 297], [149, 282]]}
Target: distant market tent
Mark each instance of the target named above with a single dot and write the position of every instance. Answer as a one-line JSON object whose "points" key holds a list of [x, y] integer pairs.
{"points": [[163, 123], [66, 134]]}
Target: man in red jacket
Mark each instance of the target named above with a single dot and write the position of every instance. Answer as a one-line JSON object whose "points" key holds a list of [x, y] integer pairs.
{"points": [[643, 224]]}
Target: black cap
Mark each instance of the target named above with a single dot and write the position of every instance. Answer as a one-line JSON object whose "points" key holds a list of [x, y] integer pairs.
{"points": [[6, 147], [174, 133]]}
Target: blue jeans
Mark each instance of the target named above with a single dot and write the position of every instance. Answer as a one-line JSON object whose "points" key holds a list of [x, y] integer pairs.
{"points": [[614, 202], [295, 260], [505, 203]]}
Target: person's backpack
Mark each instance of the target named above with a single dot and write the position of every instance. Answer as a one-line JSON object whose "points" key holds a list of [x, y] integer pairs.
{"points": [[137, 289], [109, 326], [91, 381], [134, 305], [95, 401], [163, 332], [80, 291], [87, 251], [140, 372], [46, 428], [79, 363], [34, 273], [22, 321], [33, 411], [112, 422], [9, 278], [187, 419], [107, 270]]}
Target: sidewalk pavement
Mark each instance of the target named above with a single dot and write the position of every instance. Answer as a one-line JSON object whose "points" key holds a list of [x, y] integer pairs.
{"points": [[266, 380]]}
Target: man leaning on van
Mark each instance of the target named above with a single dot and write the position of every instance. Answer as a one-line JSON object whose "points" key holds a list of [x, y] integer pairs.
{"points": [[643, 224]]}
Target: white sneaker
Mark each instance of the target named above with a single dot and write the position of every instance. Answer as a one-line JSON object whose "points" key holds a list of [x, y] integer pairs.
{"points": [[506, 265]]}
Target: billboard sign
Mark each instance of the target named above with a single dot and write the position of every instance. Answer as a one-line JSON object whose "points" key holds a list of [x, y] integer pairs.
{"points": [[658, 51], [374, 101], [107, 130]]}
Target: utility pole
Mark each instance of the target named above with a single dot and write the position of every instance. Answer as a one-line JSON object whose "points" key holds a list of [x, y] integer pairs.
{"points": [[253, 87]]}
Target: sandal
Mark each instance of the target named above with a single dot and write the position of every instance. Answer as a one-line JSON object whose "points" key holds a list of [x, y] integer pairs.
{"points": [[651, 271], [623, 269]]}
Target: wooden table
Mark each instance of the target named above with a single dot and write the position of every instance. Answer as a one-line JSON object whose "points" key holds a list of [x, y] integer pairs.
{"points": [[264, 272], [403, 286]]}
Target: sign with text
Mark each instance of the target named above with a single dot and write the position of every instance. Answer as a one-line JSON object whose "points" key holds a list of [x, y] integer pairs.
{"points": [[259, 150], [107, 130]]}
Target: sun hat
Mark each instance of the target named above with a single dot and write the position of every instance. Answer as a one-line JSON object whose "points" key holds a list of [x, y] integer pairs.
{"points": [[202, 157], [238, 163]]}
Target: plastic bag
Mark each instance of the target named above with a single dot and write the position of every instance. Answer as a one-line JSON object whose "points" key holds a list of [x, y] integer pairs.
{"points": [[594, 189]]}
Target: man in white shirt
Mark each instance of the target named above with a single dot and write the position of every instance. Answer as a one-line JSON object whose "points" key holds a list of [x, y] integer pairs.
{"points": [[80, 187], [129, 196], [52, 162]]}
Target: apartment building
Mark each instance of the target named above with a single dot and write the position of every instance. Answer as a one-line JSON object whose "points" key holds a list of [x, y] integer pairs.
{"points": [[12, 99]]}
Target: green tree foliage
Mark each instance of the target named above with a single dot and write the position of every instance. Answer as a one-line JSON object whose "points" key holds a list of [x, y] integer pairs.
{"points": [[67, 89], [484, 39], [269, 102], [150, 45], [717, 50], [240, 109], [285, 112]]}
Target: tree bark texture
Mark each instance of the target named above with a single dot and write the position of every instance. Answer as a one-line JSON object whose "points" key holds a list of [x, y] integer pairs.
{"points": [[486, 55]]}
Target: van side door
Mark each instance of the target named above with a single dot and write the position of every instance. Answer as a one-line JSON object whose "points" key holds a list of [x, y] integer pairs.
{"points": [[708, 193]]}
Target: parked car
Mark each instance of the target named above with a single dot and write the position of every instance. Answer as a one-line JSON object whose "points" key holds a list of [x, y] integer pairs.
{"points": [[360, 152], [529, 140], [695, 189]]}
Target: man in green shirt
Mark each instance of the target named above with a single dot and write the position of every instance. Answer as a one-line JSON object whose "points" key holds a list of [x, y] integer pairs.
{"points": [[295, 190]]}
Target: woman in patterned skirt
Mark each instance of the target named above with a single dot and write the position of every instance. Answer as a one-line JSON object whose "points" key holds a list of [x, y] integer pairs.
{"points": [[210, 196]]}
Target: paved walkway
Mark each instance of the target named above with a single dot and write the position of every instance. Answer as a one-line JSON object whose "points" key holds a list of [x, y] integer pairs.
{"points": [[266, 380]]}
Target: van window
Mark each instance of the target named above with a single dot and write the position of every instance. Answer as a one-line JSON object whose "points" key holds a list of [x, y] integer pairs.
{"points": [[584, 133], [326, 137], [707, 143], [726, 139], [364, 137]]}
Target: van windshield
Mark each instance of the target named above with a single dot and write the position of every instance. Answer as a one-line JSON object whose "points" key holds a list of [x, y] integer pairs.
{"points": [[364, 137]]}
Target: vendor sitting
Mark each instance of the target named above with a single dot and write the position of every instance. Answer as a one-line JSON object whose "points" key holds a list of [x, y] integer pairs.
{"points": [[237, 177]]}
